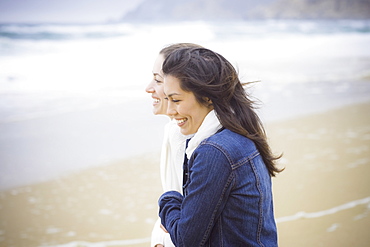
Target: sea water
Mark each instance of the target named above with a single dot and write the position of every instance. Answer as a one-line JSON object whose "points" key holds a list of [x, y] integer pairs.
{"points": [[49, 69], [73, 96]]}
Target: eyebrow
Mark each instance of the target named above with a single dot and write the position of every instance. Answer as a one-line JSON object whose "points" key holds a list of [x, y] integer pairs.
{"points": [[172, 94], [157, 74]]}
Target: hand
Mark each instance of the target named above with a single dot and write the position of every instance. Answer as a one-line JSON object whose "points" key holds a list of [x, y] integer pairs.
{"points": [[164, 229]]}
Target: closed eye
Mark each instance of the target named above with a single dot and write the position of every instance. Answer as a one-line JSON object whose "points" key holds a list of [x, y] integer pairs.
{"points": [[173, 100]]}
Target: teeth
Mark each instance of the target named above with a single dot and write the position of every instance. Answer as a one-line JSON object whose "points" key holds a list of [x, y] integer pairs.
{"points": [[156, 100], [180, 121]]}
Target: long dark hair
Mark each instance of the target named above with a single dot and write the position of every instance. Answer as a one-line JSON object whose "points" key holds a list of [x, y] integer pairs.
{"points": [[209, 76]]}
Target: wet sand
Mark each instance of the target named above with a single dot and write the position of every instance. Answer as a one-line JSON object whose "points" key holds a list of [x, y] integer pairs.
{"points": [[327, 160]]}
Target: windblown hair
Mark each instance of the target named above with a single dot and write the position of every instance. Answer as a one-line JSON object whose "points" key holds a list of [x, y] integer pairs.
{"points": [[209, 76], [166, 51]]}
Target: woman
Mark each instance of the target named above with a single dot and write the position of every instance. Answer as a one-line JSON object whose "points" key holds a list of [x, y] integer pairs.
{"points": [[227, 198], [173, 147]]}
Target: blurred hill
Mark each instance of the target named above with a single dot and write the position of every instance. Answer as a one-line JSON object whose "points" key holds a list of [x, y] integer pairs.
{"points": [[182, 10]]}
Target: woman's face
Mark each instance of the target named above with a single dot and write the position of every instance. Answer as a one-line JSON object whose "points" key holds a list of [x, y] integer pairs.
{"points": [[183, 106], [155, 87]]}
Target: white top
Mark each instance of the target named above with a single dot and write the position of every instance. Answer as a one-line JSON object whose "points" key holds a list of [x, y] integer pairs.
{"points": [[171, 162], [172, 158]]}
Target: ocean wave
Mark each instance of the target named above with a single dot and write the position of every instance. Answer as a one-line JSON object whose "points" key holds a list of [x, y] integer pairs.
{"points": [[233, 29], [41, 75], [297, 216], [305, 215], [63, 32]]}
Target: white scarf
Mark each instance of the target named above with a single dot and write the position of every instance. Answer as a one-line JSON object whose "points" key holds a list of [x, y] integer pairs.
{"points": [[172, 155], [209, 127]]}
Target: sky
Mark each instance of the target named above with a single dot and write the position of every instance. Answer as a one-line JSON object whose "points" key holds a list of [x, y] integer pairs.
{"points": [[64, 11]]}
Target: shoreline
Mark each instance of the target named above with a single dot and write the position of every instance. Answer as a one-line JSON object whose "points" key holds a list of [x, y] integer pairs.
{"points": [[44, 148], [59, 145]]}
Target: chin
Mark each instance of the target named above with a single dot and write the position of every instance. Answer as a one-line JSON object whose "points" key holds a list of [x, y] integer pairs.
{"points": [[155, 112], [184, 132]]}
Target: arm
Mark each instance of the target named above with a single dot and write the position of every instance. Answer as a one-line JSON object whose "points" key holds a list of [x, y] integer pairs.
{"points": [[157, 234], [190, 219], [164, 161], [160, 236]]}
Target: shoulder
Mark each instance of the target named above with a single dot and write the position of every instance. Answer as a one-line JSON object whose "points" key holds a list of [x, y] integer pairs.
{"points": [[229, 139], [225, 147], [230, 143]]}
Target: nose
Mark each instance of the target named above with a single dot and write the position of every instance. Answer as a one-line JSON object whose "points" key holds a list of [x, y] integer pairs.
{"points": [[150, 88], [171, 110]]}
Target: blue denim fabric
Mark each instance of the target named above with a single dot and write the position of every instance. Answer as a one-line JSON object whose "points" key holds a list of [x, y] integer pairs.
{"points": [[228, 198]]}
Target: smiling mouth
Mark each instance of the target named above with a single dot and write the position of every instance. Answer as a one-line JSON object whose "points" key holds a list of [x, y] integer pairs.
{"points": [[181, 121], [156, 101]]}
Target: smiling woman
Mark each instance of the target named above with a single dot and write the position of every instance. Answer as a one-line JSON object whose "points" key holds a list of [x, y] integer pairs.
{"points": [[155, 87], [173, 146], [227, 196], [184, 107]]}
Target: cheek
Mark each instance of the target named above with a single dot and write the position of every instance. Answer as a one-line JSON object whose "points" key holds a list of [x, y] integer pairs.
{"points": [[161, 95], [160, 92], [188, 111], [164, 104], [200, 113]]}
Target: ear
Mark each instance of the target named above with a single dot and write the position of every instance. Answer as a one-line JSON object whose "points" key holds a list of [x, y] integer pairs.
{"points": [[208, 101]]}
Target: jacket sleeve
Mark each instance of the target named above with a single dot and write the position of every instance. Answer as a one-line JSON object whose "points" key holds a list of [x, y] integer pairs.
{"points": [[190, 219]]}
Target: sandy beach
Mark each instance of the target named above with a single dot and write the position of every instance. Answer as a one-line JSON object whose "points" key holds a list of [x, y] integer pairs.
{"points": [[321, 199], [327, 166]]}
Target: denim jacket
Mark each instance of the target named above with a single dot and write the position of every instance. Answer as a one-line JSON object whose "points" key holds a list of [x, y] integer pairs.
{"points": [[228, 198]]}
